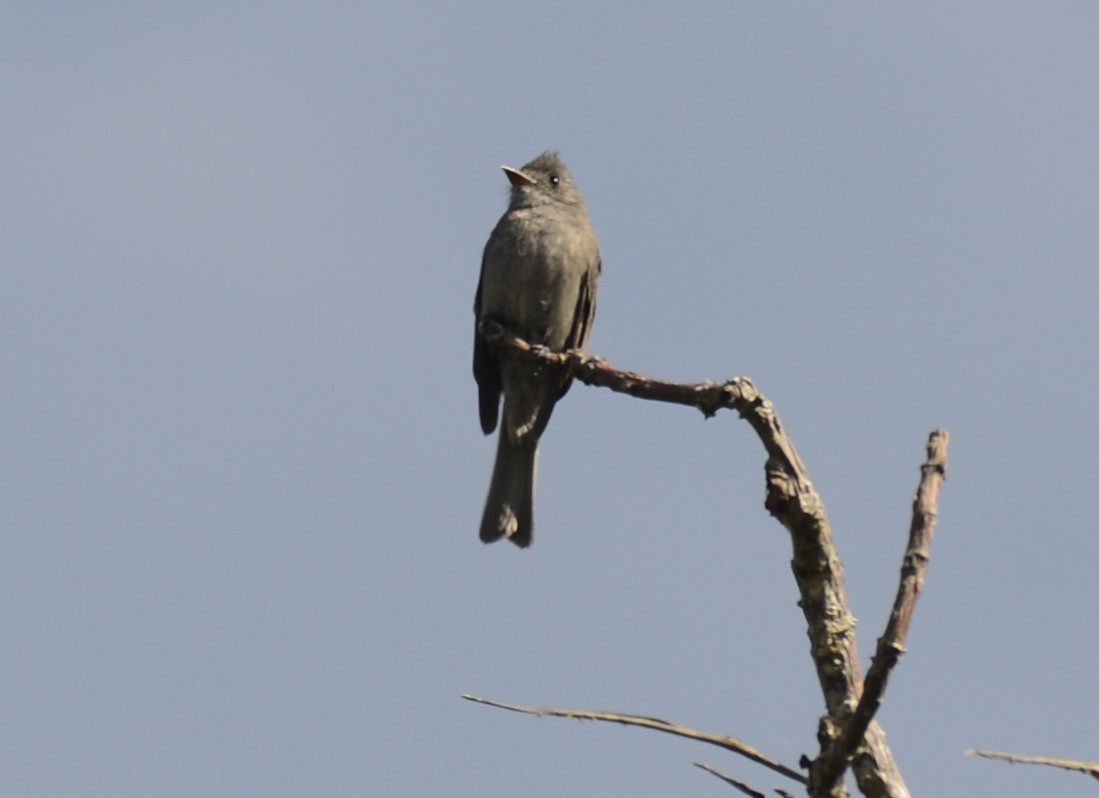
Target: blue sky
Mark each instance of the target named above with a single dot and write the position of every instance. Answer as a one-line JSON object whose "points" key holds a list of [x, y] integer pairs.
{"points": [[243, 470]]}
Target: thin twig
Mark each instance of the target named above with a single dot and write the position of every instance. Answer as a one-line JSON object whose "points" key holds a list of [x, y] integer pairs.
{"points": [[1091, 768], [917, 557], [728, 743], [725, 777]]}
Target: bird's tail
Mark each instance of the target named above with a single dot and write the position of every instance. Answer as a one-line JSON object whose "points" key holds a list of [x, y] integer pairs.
{"points": [[509, 508]]}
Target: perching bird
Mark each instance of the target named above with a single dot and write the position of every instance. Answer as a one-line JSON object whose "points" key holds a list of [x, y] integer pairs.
{"points": [[538, 279]]}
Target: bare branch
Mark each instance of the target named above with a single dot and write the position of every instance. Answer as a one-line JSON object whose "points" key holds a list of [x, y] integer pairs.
{"points": [[794, 501], [728, 743], [917, 557], [1091, 768], [725, 777]]}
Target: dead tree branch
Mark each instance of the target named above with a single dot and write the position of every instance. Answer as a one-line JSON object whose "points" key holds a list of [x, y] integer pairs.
{"points": [[848, 734]]}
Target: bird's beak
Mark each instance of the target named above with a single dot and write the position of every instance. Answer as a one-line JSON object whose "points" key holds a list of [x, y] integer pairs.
{"points": [[517, 178]]}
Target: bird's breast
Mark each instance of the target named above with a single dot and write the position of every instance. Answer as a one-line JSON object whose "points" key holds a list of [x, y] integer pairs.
{"points": [[533, 269]]}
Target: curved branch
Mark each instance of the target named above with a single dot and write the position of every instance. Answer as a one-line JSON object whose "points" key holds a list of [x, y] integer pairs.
{"points": [[721, 741]]}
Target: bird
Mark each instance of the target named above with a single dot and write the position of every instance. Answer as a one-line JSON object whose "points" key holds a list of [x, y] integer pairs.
{"points": [[539, 274]]}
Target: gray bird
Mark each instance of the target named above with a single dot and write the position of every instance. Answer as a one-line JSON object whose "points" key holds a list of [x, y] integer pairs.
{"points": [[538, 279]]}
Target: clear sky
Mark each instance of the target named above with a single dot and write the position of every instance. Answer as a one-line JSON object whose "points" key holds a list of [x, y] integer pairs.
{"points": [[242, 471]]}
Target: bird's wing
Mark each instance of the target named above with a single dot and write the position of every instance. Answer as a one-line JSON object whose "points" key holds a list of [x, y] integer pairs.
{"points": [[584, 315], [485, 368]]}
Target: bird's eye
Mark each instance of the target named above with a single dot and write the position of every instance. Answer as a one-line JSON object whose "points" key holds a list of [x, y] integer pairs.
{"points": [[555, 179]]}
